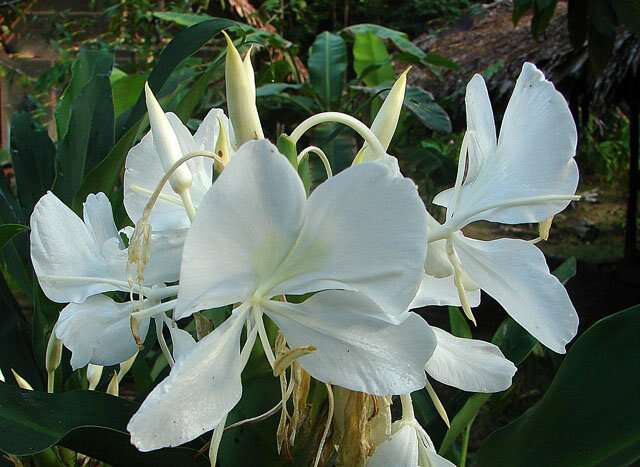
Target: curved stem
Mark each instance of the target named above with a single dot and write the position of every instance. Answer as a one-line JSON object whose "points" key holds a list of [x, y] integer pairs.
{"points": [[163, 343], [154, 310], [269, 413], [339, 117], [407, 407], [321, 155]]}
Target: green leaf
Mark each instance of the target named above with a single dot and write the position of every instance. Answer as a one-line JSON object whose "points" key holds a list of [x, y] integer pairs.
{"points": [[182, 19], [186, 43], [33, 157], [589, 414], [371, 61], [424, 107], [337, 143], [8, 231], [520, 7], [89, 138], [89, 64], [88, 422], [274, 89], [542, 13], [126, 92], [465, 415], [189, 103], [458, 323], [327, 67]]}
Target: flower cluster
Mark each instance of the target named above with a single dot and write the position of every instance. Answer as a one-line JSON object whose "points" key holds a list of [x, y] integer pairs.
{"points": [[336, 271]]}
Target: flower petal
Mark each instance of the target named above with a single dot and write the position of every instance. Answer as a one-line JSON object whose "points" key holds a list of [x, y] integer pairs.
{"points": [[66, 256], [98, 331], [469, 364], [534, 156], [144, 170], [244, 229], [441, 291], [480, 123], [201, 389], [400, 450], [166, 256], [515, 273], [365, 230], [98, 217], [183, 342], [356, 348]]}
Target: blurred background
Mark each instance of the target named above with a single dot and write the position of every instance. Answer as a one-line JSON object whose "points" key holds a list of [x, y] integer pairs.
{"points": [[312, 56]]}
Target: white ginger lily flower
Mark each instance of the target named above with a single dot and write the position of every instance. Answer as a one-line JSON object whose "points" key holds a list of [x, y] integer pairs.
{"points": [[356, 241], [408, 445], [528, 174], [148, 161], [76, 261], [467, 364]]}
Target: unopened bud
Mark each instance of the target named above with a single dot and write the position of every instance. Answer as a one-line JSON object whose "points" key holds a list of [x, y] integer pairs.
{"points": [[114, 385], [166, 144], [545, 227], [22, 383], [386, 121], [223, 147], [126, 366], [53, 358], [94, 373], [241, 96]]}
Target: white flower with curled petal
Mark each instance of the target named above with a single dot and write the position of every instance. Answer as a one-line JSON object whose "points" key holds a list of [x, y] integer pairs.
{"points": [[528, 174], [147, 163], [358, 241], [76, 261], [408, 445]]}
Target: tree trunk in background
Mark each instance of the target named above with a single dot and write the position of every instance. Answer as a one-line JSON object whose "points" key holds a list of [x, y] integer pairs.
{"points": [[630, 238]]}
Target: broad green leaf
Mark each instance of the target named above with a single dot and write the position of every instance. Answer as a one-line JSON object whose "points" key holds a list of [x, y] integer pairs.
{"points": [[189, 103], [327, 67], [458, 323], [33, 157], [402, 42], [89, 64], [182, 19], [88, 422], [15, 345], [8, 231], [465, 415], [89, 138], [520, 7], [371, 61], [126, 92], [589, 414], [15, 253], [424, 107], [274, 89]]}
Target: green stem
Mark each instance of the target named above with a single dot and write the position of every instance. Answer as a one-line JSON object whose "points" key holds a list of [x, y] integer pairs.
{"points": [[465, 444]]}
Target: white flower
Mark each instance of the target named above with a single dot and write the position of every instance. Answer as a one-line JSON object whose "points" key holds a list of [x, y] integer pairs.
{"points": [[528, 174], [144, 169], [358, 241], [408, 445], [75, 261]]}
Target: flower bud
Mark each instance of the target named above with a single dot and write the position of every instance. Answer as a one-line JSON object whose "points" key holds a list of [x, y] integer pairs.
{"points": [[53, 358], [22, 383], [166, 144], [222, 148], [114, 385], [94, 373], [384, 125], [241, 96]]}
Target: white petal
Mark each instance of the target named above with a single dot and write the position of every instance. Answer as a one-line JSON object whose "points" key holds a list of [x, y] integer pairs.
{"points": [[183, 342], [400, 450], [427, 455], [469, 364], [98, 331], [356, 349], [245, 227], [480, 123], [68, 261], [441, 291], [534, 156], [200, 390], [98, 218], [166, 256], [207, 133], [364, 230], [515, 273], [144, 171]]}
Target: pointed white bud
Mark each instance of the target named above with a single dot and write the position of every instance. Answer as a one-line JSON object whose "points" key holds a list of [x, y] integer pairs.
{"points": [[241, 96], [114, 385], [166, 144], [94, 373], [53, 358], [22, 383], [386, 121]]}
